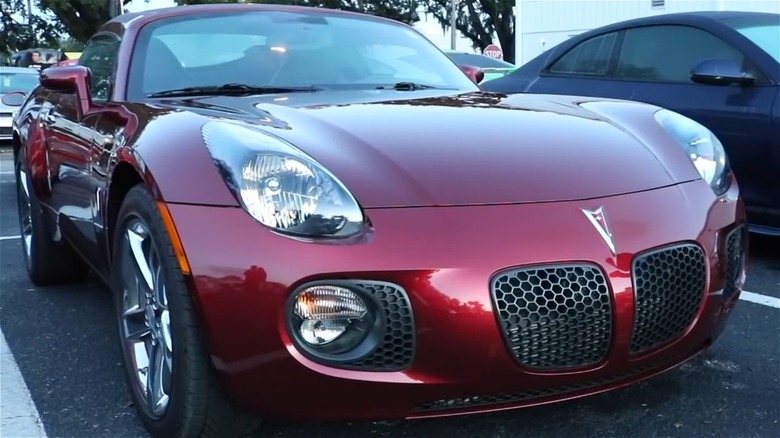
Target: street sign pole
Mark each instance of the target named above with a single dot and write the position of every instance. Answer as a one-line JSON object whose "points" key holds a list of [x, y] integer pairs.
{"points": [[453, 23], [114, 8]]}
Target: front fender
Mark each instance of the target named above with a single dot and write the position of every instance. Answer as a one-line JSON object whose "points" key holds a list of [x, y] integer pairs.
{"points": [[170, 155]]}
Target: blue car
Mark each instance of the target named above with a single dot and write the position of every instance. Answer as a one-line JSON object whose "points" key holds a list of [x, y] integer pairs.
{"points": [[721, 69]]}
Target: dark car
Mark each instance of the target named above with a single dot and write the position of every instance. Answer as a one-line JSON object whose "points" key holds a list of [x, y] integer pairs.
{"points": [[719, 68], [40, 59], [297, 223]]}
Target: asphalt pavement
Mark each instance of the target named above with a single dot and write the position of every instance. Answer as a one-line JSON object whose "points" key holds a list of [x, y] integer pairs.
{"points": [[63, 340]]}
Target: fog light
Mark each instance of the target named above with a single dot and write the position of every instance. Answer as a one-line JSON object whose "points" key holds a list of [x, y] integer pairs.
{"points": [[331, 319]]}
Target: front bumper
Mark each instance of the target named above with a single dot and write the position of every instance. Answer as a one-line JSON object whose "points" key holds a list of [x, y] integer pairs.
{"points": [[444, 259]]}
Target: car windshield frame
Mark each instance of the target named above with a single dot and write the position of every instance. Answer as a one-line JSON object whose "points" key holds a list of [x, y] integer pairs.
{"points": [[7, 81], [429, 66], [762, 31]]}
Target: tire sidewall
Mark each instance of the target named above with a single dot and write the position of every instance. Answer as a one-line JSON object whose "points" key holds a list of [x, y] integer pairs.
{"points": [[21, 163], [139, 204]]}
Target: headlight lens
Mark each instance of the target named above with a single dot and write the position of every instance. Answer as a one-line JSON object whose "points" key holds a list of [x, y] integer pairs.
{"points": [[702, 146], [280, 186]]}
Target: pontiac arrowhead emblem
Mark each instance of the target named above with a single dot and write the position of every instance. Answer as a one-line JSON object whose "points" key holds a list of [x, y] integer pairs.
{"points": [[599, 220]]}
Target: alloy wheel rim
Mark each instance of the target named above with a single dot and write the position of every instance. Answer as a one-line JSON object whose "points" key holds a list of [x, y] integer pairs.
{"points": [[145, 319], [25, 214]]}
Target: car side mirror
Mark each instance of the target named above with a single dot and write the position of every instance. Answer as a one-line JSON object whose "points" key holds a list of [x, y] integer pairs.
{"points": [[720, 72], [69, 79], [14, 98], [474, 73]]}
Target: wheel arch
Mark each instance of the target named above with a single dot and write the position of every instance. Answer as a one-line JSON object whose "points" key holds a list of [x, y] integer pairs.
{"points": [[123, 178]]}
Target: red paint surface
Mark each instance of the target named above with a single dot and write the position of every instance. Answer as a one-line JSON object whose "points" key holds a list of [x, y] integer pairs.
{"points": [[444, 258]]}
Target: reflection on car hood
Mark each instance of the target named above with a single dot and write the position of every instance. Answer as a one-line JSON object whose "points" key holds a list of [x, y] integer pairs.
{"points": [[397, 149]]}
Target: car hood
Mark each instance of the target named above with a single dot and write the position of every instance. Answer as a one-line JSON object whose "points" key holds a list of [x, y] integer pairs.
{"points": [[469, 149]]}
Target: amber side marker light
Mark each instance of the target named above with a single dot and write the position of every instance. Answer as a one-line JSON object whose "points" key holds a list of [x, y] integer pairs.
{"points": [[184, 265]]}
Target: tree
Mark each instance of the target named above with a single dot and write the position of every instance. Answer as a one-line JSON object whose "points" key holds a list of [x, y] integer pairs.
{"points": [[400, 10], [71, 45], [479, 20], [21, 30], [82, 18]]}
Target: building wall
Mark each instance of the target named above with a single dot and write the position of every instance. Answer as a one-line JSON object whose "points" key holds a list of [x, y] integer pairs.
{"points": [[546, 23]]}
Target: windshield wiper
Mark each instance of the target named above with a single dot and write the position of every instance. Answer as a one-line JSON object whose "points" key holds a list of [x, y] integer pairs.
{"points": [[232, 90], [411, 86]]}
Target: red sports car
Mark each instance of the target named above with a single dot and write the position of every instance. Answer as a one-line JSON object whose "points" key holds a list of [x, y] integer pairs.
{"points": [[298, 223]]}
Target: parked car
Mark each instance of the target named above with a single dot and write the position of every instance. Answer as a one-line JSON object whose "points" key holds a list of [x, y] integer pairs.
{"points": [[314, 228], [722, 69], [15, 84], [492, 68], [37, 58]]}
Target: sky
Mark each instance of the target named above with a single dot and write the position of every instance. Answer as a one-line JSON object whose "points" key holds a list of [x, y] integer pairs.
{"points": [[427, 25]]}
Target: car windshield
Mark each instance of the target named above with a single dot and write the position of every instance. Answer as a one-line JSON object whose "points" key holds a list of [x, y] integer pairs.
{"points": [[764, 33], [480, 61], [286, 49], [18, 81]]}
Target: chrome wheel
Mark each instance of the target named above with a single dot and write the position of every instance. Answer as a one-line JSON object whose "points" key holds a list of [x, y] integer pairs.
{"points": [[25, 212], [145, 321]]}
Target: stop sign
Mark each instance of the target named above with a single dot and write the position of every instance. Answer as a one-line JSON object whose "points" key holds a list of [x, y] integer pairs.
{"points": [[493, 51]]}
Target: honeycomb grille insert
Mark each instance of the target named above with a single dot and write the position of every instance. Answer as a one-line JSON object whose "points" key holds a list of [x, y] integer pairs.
{"points": [[555, 317], [396, 350], [734, 245], [669, 285]]}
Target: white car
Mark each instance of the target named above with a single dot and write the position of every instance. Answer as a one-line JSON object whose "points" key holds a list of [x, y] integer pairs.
{"points": [[12, 81]]}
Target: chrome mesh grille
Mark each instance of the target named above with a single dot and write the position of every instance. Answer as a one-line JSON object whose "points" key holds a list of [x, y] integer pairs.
{"points": [[396, 350], [555, 317], [669, 286]]}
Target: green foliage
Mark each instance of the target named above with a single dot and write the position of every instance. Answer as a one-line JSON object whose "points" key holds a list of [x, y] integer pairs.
{"points": [[80, 18], [20, 31], [71, 45]]}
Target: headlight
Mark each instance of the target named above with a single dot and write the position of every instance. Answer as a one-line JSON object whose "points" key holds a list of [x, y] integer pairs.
{"points": [[334, 323], [279, 185], [703, 148]]}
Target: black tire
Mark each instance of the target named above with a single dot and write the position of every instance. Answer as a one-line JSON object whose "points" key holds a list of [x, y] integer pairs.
{"points": [[197, 406], [48, 262]]}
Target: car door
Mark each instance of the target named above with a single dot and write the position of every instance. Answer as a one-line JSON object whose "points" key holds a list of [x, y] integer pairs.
{"points": [[100, 56], [71, 136]]}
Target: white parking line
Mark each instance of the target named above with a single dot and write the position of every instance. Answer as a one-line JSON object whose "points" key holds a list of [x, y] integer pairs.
{"points": [[760, 299], [18, 415], [10, 237]]}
